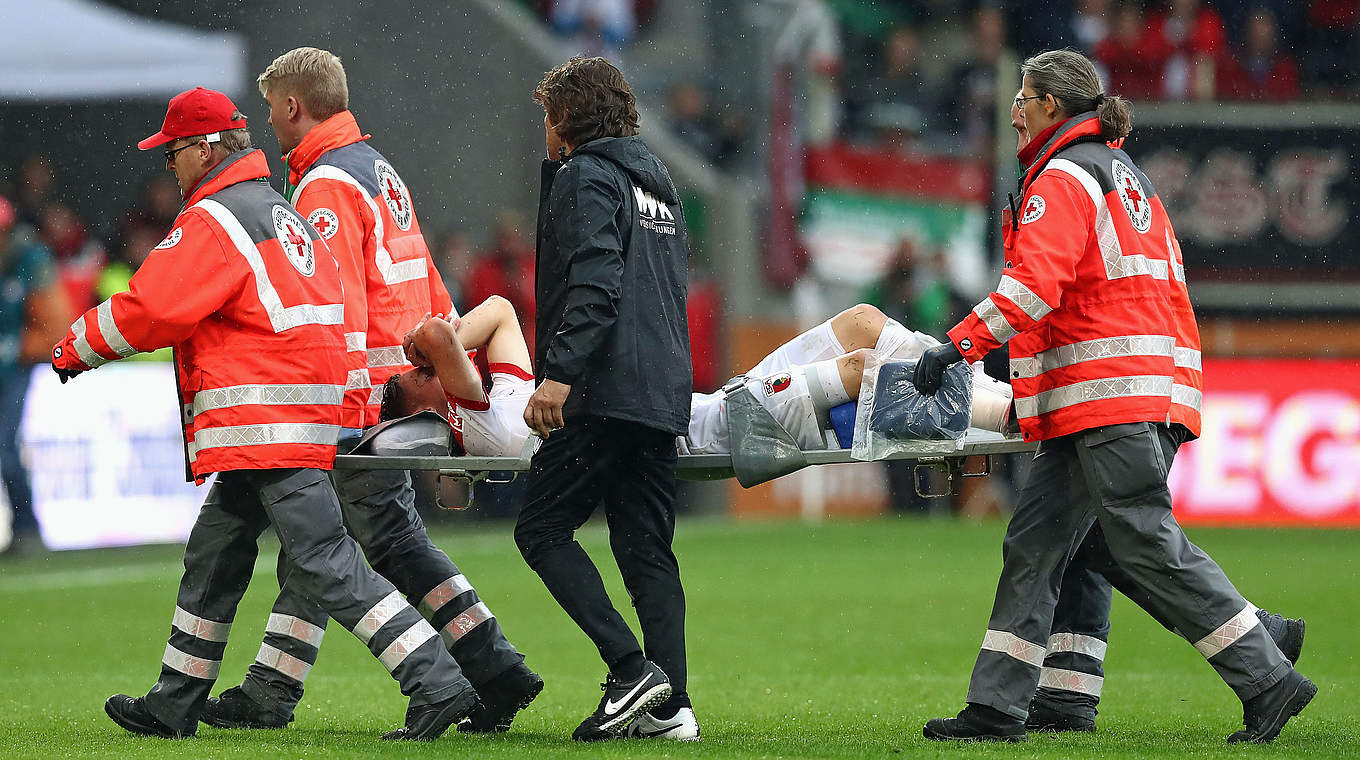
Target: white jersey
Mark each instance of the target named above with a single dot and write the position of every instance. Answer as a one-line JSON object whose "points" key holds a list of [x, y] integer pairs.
{"points": [[494, 427]]}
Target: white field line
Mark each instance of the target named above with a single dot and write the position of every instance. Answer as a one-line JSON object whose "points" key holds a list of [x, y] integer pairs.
{"points": [[93, 577]]}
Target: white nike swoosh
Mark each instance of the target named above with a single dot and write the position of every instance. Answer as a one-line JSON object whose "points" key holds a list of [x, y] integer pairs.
{"points": [[611, 707]]}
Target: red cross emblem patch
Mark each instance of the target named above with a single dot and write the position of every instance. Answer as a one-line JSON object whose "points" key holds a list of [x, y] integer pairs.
{"points": [[1132, 195]]}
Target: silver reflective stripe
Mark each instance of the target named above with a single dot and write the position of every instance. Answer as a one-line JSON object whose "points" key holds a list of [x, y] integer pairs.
{"points": [[189, 665], [467, 620], [375, 396], [1177, 268], [392, 272], [992, 317], [356, 341], [82, 346], [1071, 680], [109, 329], [1092, 350], [269, 395], [443, 594], [280, 317], [1188, 358], [1186, 396], [1227, 634], [378, 615], [1033, 306], [356, 378], [261, 435], [1092, 390], [397, 652], [1117, 265], [287, 664], [200, 628], [1010, 644], [387, 356], [1076, 642], [295, 628]]}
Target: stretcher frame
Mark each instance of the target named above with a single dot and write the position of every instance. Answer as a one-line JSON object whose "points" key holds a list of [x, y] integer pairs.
{"points": [[707, 466]]}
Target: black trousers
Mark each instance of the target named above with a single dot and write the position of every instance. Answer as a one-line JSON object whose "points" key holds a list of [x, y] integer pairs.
{"points": [[630, 470]]}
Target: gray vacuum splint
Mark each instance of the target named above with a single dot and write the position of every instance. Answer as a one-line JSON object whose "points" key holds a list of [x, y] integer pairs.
{"points": [[761, 448]]}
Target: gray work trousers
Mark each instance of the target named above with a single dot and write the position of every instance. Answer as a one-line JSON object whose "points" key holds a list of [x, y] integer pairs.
{"points": [[1115, 477], [324, 563], [379, 510]]}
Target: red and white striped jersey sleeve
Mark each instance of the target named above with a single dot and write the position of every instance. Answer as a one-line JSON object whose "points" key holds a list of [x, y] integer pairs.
{"points": [[1057, 218]]}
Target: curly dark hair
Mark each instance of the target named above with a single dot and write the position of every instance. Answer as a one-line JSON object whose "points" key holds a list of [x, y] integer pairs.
{"points": [[393, 404], [586, 99]]}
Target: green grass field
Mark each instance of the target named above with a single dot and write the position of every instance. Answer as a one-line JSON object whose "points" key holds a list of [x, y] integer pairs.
{"points": [[837, 640]]}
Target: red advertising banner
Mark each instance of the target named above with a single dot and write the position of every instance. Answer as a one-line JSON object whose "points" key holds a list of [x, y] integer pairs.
{"points": [[1280, 445]]}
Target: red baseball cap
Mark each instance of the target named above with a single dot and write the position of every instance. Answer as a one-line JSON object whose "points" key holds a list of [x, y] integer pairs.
{"points": [[199, 111]]}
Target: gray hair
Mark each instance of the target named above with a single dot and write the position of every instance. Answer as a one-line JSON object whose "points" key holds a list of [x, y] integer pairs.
{"points": [[231, 140], [1071, 79]]}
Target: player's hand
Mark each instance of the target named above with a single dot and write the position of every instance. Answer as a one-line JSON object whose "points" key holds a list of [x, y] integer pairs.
{"points": [[930, 367], [543, 414], [408, 344]]}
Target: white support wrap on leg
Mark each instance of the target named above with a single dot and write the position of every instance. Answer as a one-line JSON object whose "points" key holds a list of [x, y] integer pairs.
{"points": [[397, 652], [200, 628], [378, 615], [1227, 634], [1078, 643], [443, 594], [467, 620], [1070, 680], [1010, 644], [287, 664], [295, 628], [189, 665]]}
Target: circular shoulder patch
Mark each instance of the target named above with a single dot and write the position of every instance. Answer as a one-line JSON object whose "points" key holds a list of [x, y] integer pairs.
{"points": [[1034, 208], [325, 221], [394, 194], [1131, 193], [297, 244], [170, 240]]}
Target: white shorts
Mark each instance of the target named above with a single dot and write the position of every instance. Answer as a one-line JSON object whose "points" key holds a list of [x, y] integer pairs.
{"points": [[784, 394], [495, 428]]}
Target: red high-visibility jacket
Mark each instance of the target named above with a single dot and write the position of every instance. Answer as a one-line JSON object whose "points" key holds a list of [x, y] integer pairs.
{"points": [[355, 199], [1093, 298], [250, 299]]}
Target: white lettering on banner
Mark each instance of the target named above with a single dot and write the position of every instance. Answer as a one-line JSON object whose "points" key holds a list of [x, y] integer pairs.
{"points": [[1227, 456], [392, 272], [1312, 453], [280, 317]]}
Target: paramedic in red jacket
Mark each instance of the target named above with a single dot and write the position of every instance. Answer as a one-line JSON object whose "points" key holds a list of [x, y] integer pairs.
{"points": [[249, 297], [1105, 364], [359, 205]]}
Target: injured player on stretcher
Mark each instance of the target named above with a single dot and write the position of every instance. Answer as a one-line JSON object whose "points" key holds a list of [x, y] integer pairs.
{"points": [[798, 383]]}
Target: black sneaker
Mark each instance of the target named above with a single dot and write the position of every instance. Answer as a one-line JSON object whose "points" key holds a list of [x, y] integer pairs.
{"points": [[427, 722], [131, 714], [977, 723], [1266, 713], [1287, 633], [502, 697], [1042, 717], [622, 701], [235, 709]]}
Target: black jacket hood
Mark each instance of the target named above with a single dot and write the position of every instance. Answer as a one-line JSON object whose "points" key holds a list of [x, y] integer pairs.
{"points": [[637, 161]]}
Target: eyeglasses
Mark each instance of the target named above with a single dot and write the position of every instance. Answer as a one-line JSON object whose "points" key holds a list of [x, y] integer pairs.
{"points": [[1020, 102], [170, 154]]}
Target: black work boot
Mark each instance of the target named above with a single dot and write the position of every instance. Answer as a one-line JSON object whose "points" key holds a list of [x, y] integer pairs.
{"points": [[977, 723], [428, 721], [1046, 717], [1287, 633], [1266, 713], [131, 714], [235, 709], [502, 697]]}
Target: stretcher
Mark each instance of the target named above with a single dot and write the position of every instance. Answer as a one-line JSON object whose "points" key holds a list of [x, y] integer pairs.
{"points": [[422, 443]]}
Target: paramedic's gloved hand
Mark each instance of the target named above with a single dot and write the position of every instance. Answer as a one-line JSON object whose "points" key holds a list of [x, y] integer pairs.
{"points": [[64, 361], [930, 367]]}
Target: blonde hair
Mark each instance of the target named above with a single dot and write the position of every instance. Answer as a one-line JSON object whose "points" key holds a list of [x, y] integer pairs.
{"points": [[313, 76]]}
